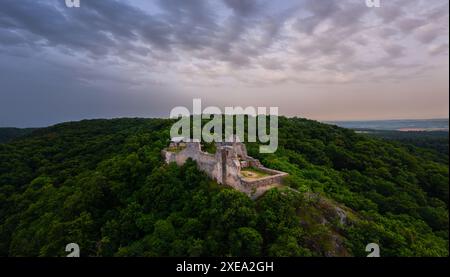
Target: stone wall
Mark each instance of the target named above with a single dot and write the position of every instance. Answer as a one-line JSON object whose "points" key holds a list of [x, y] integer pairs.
{"points": [[232, 166], [206, 162], [225, 166], [264, 181], [209, 164]]}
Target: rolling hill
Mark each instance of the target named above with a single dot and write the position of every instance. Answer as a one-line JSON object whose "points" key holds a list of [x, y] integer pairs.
{"points": [[9, 134], [103, 184]]}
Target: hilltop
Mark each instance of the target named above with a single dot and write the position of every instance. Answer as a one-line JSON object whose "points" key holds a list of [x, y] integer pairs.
{"points": [[9, 134], [104, 185]]}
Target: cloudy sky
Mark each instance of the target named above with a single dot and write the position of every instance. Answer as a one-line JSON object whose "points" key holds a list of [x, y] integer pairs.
{"points": [[320, 59]]}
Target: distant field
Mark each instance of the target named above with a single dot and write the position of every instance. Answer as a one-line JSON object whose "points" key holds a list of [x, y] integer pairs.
{"points": [[396, 125]]}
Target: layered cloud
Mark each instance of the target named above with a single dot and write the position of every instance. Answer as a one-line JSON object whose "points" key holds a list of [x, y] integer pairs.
{"points": [[242, 43]]}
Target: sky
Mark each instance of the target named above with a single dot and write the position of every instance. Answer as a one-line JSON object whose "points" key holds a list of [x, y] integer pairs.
{"points": [[320, 59]]}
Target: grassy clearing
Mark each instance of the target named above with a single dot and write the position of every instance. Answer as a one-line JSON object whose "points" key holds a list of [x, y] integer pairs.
{"points": [[253, 173]]}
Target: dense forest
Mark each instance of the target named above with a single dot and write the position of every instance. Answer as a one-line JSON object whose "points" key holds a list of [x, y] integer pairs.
{"points": [[432, 140], [8, 134], [103, 184]]}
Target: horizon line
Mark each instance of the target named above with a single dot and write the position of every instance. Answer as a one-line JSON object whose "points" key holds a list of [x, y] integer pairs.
{"points": [[137, 117]]}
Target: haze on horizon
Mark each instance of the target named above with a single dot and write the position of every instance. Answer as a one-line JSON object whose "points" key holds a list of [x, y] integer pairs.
{"points": [[320, 59]]}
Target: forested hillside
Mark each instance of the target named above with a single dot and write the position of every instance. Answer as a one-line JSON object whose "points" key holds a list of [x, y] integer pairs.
{"points": [[8, 134], [102, 184], [436, 141]]}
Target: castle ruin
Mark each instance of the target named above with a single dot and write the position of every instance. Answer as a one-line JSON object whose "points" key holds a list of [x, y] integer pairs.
{"points": [[230, 165]]}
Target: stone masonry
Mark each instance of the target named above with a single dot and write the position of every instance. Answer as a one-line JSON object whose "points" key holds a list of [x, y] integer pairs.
{"points": [[225, 165]]}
